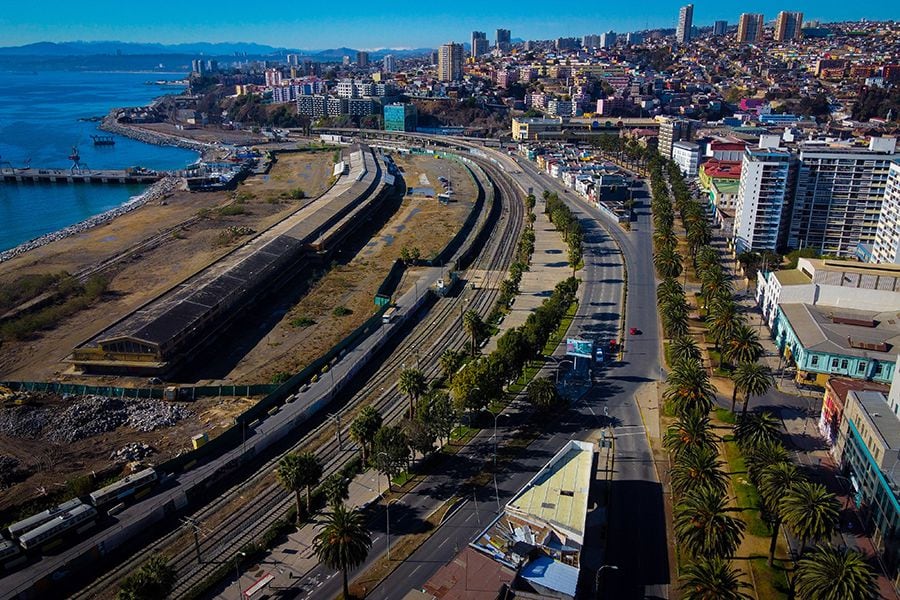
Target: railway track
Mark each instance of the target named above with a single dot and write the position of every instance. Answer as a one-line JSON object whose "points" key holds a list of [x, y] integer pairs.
{"points": [[245, 520]]}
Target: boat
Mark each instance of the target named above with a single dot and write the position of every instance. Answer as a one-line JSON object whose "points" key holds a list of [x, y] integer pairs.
{"points": [[103, 140]]}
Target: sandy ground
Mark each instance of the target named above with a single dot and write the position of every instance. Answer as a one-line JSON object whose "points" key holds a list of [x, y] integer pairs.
{"points": [[184, 245], [205, 134], [418, 222]]}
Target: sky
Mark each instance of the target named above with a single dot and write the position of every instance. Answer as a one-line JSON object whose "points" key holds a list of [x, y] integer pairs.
{"points": [[311, 24]]}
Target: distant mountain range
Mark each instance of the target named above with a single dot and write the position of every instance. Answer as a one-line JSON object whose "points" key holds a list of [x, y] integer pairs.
{"points": [[206, 49]]}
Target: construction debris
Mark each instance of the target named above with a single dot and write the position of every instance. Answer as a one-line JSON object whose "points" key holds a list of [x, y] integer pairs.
{"points": [[132, 452]]}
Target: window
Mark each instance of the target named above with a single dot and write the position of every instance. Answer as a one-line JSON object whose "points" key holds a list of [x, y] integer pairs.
{"points": [[814, 360], [834, 363], [861, 367], [844, 364]]}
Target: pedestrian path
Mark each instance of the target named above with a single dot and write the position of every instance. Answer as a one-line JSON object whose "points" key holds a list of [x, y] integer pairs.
{"points": [[549, 266]]}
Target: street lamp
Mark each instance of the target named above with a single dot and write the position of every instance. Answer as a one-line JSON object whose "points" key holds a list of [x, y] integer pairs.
{"points": [[237, 572], [599, 571], [385, 454], [558, 365]]}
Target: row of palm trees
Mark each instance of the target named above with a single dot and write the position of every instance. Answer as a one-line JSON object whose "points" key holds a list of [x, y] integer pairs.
{"points": [[704, 526]]}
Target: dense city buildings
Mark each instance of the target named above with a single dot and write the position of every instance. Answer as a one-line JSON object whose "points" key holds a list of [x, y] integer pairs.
{"points": [[720, 27], [788, 26], [685, 23], [450, 62], [502, 40], [480, 44], [750, 28]]}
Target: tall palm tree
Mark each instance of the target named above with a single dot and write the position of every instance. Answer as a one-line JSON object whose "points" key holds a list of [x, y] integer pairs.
{"points": [[703, 526], [363, 429], [413, 384], [752, 379], [154, 579], [343, 542], [775, 481], [675, 318], [336, 489], [706, 258], [711, 579], [689, 388], [473, 325], [713, 281], [742, 346], [667, 262], [755, 428], [723, 319], [451, 360], [688, 433], [669, 289], [835, 574], [696, 469], [763, 455], [810, 511], [296, 472], [683, 348]]}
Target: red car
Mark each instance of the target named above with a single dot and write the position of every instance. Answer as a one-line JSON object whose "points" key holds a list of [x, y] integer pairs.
{"points": [[634, 331]]}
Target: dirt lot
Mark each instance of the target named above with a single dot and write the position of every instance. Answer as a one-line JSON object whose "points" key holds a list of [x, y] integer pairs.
{"points": [[190, 245], [205, 134], [418, 222]]}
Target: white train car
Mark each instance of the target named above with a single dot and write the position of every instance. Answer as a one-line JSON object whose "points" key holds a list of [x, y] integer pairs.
{"points": [[79, 518], [128, 486], [35, 521]]}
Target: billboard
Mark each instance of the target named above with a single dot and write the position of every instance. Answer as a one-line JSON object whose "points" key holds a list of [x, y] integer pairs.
{"points": [[577, 347]]}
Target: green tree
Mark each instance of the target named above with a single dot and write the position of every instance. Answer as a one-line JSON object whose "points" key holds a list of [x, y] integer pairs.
{"points": [[297, 472], [775, 481], [742, 346], [723, 319], [698, 468], [690, 432], [835, 574], [336, 489], [451, 360], [756, 428], [688, 388], [683, 348], [363, 429], [436, 410], [391, 452], [421, 437], [413, 384], [343, 542], [810, 512], [711, 579], [475, 386], [576, 253], [543, 395], [154, 580], [703, 526], [667, 262], [474, 327], [763, 455], [752, 379]]}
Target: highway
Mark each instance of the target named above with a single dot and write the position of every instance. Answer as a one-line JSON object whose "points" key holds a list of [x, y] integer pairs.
{"points": [[637, 533]]}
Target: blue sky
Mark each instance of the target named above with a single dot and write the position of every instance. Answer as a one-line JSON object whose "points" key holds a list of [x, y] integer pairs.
{"points": [[374, 24]]}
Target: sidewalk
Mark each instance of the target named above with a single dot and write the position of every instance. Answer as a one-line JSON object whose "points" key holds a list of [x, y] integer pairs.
{"points": [[549, 266]]}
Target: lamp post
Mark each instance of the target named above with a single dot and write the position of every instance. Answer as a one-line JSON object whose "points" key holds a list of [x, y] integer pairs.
{"points": [[385, 454], [558, 365], [237, 572], [599, 572]]}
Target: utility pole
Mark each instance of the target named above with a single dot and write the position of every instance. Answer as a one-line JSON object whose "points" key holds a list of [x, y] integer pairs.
{"points": [[195, 528]]}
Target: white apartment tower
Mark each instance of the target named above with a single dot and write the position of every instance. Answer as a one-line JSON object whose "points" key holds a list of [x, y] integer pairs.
{"points": [[750, 27], [788, 26], [763, 199], [450, 61], [839, 195], [685, 22], [887, 236], [389, 63]]}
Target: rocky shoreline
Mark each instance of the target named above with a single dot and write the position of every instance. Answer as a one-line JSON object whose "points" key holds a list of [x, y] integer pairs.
{"points": [[156, 191], [110, 123]]}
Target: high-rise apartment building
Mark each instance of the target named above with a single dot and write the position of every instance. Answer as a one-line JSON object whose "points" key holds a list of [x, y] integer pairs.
{"points": [[389, 63], [673, 130], [589, 42], [273, 77], [720, 27], [750, 27], [450, 61], [685, 22], [608, 40], [634, 39], [362, 59], [787, 26], [839, 195], [887, 236], [480, 44], [502, 38], [763, 200]]}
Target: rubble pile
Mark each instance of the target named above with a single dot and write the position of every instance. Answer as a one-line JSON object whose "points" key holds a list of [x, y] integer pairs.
{"points": [[85, 417], [10, 471], [132, 452]]}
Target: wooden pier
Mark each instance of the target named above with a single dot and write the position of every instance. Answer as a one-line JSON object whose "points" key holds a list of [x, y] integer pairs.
{"points": [[79, 176]]}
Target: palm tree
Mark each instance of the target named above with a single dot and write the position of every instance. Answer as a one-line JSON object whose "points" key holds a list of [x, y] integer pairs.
{"points": [[473, 325], [412, 382], [755, 428], [669, 289], [683, 348], [688, 433], [336, 489], [723, 319], [689, 388], [763, 455], [363, 429], [835, 574], [742, 346], [296, 472], [753, 379], [543, 395], [451, 360], [775, 481], [696, 469], [667, 262], [711, 579], [810, 511], [714, 281], [703, 526], [344, 542], [154, 579]]}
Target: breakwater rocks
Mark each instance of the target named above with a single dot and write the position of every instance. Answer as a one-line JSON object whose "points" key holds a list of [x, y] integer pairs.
{"points": [[155, 192], [111, 123]]}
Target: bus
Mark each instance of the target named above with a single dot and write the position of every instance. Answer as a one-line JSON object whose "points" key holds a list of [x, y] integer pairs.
{"points": [[389, 315]]}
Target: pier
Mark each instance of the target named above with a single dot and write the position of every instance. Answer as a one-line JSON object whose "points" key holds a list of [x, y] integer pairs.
{"points": [[125, 176]]}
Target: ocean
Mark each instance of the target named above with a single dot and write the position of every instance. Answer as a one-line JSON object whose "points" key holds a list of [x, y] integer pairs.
{"points": [[39, 122]]}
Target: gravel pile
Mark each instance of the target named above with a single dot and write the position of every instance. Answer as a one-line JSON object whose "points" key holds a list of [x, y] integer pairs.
{"points": [[132, 452], [87, 416], [10, 472]]}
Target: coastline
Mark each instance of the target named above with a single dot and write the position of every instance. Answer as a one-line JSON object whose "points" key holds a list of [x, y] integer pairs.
{"points": [[111, 123], [156, 191]]}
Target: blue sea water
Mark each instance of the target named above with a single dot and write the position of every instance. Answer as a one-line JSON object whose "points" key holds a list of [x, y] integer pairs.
{"points": [[39, 120]]}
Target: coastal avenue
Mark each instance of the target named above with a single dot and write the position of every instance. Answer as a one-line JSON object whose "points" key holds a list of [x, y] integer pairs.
{"points": [[636, 539]]}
